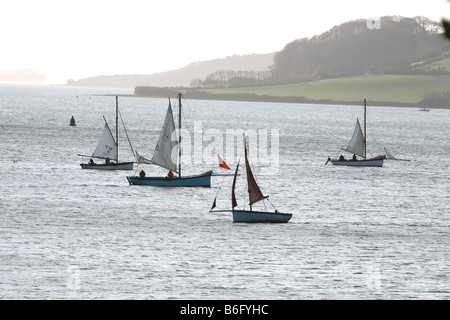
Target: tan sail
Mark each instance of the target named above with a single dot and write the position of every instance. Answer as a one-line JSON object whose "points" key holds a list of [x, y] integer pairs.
{"points": [[254, 192]]}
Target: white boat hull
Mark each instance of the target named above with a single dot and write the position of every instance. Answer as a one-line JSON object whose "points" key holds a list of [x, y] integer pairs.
{"points": [[373, 162], [109, 166]]}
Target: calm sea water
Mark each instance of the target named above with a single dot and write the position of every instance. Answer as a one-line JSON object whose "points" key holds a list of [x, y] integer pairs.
{"points": [[356, 233]]}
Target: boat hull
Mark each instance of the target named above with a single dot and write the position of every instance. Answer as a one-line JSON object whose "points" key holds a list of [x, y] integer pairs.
{"points": [[109, 166], [201, 180], [259, 216], [373, 162]]}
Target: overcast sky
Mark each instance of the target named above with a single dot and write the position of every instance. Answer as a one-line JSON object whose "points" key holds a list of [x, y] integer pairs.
{"points": [[73, 39]]}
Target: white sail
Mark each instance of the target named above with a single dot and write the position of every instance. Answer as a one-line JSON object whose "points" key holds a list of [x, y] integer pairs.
{"points": [[141, 159], [389, 155], [357, 142], [107, 147], [167, 148]]}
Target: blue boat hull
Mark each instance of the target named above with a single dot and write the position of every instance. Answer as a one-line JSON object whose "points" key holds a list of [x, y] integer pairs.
{"points": [[201, 180], [258, 216]]}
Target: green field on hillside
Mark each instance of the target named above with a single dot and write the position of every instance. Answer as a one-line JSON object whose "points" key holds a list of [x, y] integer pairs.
{"points": [[443, 64], [382, 88]]}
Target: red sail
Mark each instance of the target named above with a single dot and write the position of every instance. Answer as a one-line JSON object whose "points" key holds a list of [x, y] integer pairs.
{"points": [[233, 197], [222, 164]]}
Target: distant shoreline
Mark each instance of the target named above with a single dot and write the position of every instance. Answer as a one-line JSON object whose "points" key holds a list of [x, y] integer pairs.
{"points": [[155, 92], [196, 94]]}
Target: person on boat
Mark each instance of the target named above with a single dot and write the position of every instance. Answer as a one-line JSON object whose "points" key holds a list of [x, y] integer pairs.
{"points": [[341, 157], [107, 161], [142, 174], [354, 157], [170, 174], [91, 162]]}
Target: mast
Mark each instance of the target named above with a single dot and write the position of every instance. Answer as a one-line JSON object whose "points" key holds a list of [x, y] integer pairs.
{"points": [[247, 167], [365, 135], [179, 135], [117, 129]]}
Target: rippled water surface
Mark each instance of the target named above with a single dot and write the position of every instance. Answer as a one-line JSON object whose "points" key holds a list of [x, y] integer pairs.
{"points": [[356, 233]]}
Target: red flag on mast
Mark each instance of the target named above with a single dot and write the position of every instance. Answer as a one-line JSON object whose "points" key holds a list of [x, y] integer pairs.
{"points": [[222, 164]]}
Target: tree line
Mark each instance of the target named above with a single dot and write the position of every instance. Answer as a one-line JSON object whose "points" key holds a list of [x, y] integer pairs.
{"points": [[349, 49], [233, 79]]}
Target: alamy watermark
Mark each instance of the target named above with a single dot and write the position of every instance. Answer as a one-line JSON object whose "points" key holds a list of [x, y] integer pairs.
{"points": [[373, 23], [73, 281], [204, 146], [373, 278]]}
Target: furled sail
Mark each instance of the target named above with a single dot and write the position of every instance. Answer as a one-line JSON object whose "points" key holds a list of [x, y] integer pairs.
{"points": [[107, 147], [233, 196], [254, 192], [214, 204], [357, 142], [166, 148]]}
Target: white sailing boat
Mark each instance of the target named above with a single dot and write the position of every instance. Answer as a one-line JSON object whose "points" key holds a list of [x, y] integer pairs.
{"points": [[108, 150], [358, 147], [255, 195], [166, 155]]}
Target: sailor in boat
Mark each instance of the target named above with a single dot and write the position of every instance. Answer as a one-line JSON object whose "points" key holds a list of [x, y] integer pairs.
{"points": [[170, 174], [91, 162], [341, 158], [354, 158], [142, 174], [107, 161]]}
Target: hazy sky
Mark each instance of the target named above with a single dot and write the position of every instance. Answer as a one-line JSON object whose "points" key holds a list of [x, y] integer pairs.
{"points": [[73, 39]]}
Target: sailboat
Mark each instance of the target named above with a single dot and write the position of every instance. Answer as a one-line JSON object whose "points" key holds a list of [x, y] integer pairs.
{"points": [[358, 147], [108, 150], [166, 150], [255, 195]]}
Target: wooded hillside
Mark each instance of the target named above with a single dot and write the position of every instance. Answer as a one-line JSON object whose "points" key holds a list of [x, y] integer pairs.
{"points": [[353, 48], [396, 45]]}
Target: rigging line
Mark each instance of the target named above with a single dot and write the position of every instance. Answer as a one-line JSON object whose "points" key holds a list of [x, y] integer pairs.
{"points": [[135, 172], [271, 204], [203, 130], [186, 126], [195, 118], [187, 104], [189, 132], [373, 136], [264, 203], [220, 187], [126, 133]]}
